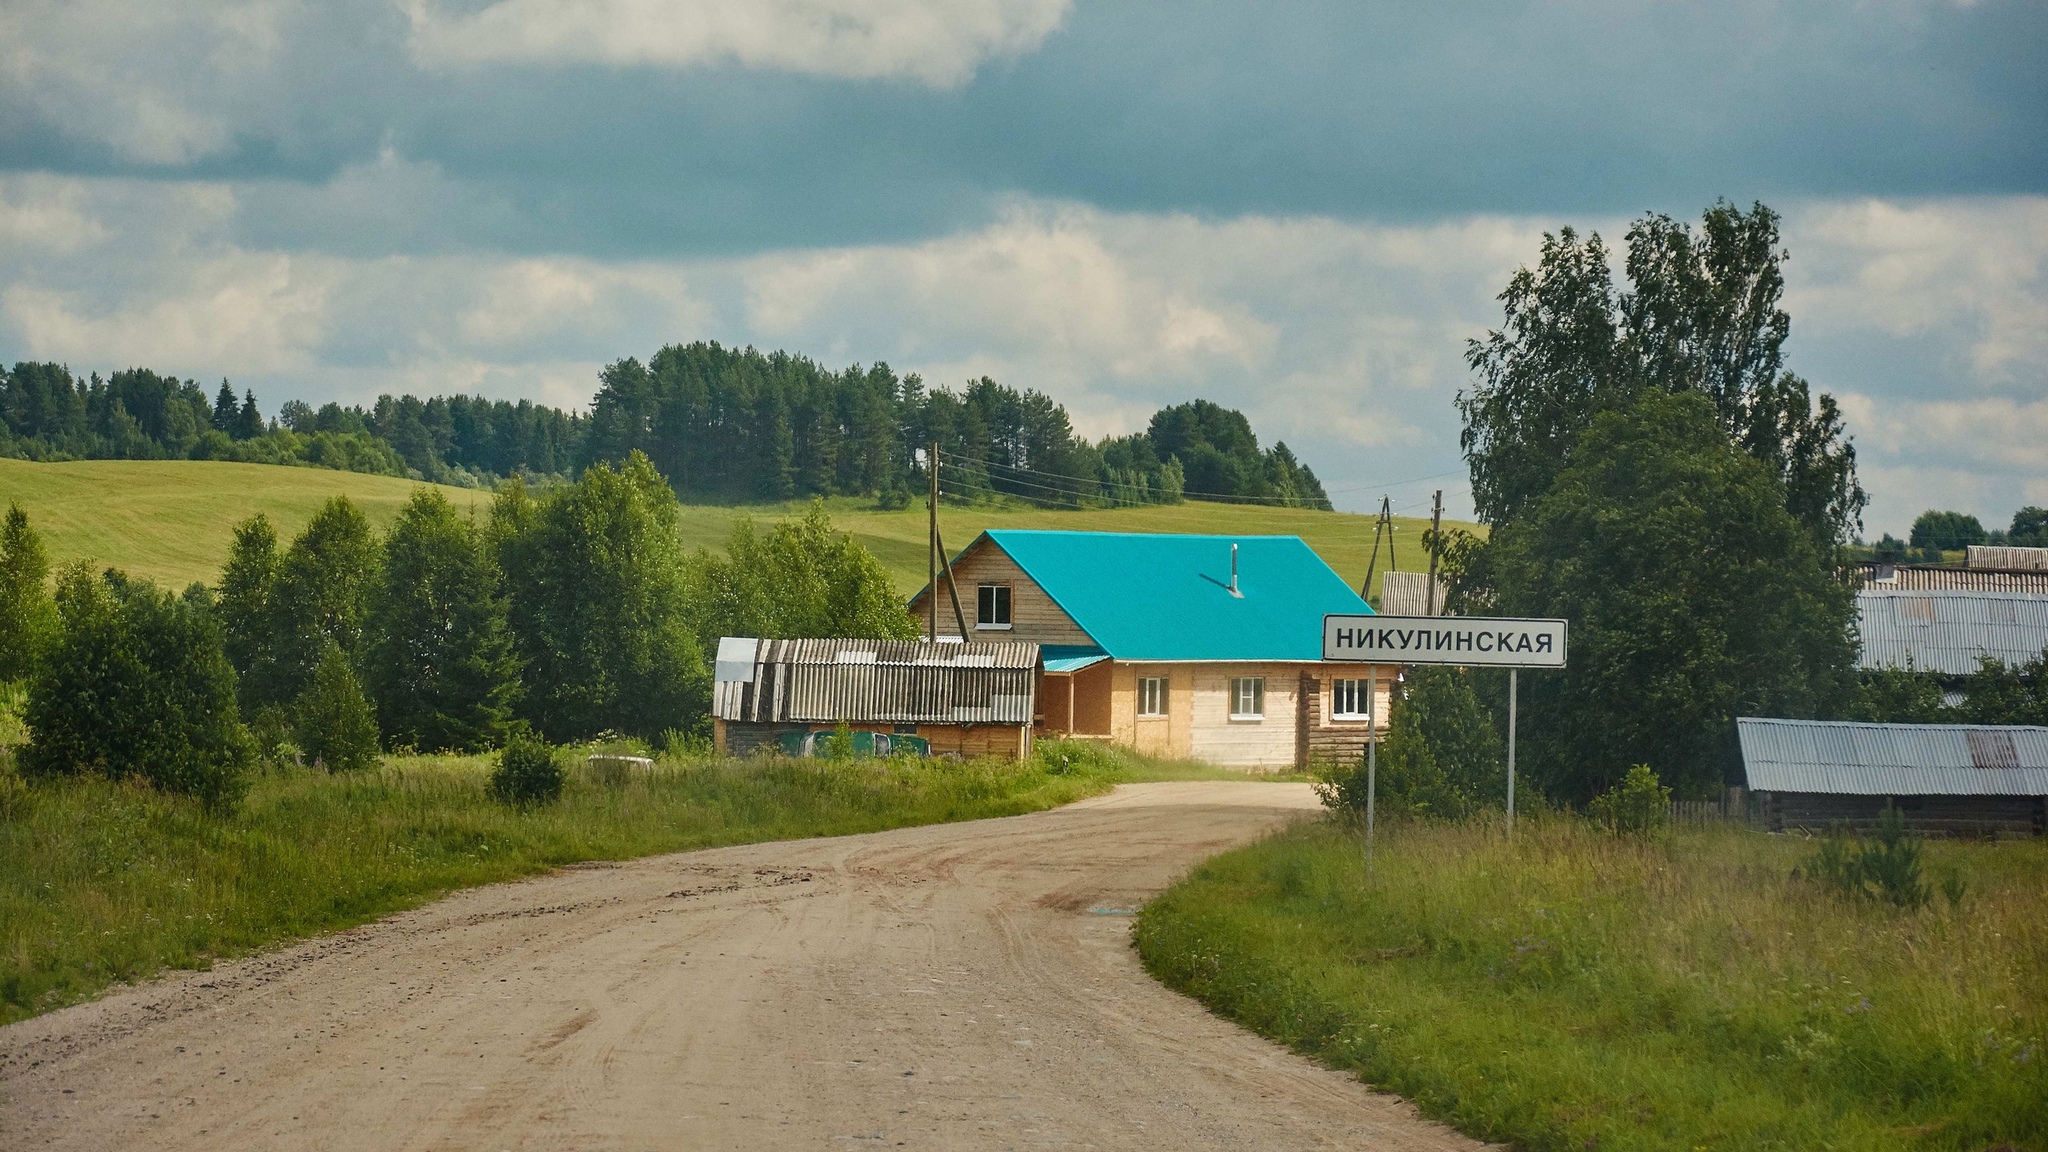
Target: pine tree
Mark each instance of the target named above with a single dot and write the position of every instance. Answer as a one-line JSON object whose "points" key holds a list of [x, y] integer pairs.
{"points": [[336, 728], [440, 663], [248, 422], [27, 615]]}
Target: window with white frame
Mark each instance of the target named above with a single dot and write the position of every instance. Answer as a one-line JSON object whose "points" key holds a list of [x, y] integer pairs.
{"points": [[1151, 695], [1248, 698], [1350, 699], [992, 607]]}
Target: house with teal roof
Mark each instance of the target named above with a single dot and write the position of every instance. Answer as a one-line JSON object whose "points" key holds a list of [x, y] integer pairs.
{"points": [[1197, 647]]}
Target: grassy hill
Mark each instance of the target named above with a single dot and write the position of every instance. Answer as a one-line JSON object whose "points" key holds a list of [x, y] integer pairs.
{"points": [[171, 520]]}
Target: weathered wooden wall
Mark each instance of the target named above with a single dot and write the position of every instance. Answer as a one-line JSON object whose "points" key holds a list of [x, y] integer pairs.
{"points": [[1951, 815], [1033, 615], [968, 741]]}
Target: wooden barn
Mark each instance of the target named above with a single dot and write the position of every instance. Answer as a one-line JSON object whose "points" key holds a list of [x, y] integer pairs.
{"points": [[1200, 647], [1957, 779], [964, 700]]}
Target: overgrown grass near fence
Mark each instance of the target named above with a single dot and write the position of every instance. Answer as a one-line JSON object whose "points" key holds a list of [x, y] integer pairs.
{"points": [[1571, 990], [103, 882]]}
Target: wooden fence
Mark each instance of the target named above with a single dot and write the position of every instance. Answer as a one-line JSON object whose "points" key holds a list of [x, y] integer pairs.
{"points": [[1728, 810]]}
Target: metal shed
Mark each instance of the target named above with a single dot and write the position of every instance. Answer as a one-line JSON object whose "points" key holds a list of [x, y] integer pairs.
{"points": [[1964, 778], [1947, 631], [966, 699]]}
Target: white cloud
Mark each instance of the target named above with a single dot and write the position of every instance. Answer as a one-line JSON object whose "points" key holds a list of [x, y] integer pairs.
{"points": [[1343, 338], [935, 42], [156, 83]]}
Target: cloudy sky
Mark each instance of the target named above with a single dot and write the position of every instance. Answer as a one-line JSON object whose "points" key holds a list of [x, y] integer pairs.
{"points": [[1299, 209]]}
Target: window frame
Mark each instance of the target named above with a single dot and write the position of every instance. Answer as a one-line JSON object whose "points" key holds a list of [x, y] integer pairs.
{"points": [[997, 600], [1152, 690], [1257, 686], [1360, 691]]}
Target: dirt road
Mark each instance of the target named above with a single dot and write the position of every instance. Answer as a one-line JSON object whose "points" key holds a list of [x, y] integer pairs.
{"points": [[957, 986]]}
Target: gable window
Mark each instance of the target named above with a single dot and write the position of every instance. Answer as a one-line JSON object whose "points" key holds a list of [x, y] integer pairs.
{"points": [[1248, 698], [1151, 695], [1350, 699], [992, 606]]}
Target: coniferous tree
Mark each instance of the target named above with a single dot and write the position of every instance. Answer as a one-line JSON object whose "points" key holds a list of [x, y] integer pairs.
{"points": [[226, 413], [136, 684], [321, 594], [336, 727], [248, 422], [440, 663], [28, 617]]}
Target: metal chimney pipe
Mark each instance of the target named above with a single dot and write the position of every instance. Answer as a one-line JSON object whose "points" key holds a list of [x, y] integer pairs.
{"points": [[1233, 569]]}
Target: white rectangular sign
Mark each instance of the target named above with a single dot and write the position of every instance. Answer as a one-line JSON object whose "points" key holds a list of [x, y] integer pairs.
{"points": [[1472, 641]]}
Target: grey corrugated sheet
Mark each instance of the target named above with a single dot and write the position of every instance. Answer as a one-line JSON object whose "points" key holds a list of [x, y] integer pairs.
{"points": [[875, 681], [1893, 759], [1900, 578], [1407, 594], [1995, 556], [1946, 632]]}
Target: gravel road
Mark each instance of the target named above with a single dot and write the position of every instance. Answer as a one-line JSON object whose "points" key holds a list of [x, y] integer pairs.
{"points": [[957, 986]]}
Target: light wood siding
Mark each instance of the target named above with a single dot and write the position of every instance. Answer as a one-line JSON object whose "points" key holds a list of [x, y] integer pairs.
{"points": [[1267, 743], [1033, 615], [1164, 736]]}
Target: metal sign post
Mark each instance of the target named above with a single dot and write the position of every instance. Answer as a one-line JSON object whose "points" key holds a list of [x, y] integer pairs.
{"points": [[1372, 766], [1456, 641]]}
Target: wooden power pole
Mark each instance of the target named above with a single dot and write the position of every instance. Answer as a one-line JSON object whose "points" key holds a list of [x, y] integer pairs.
{"points": [[1436, 547]]}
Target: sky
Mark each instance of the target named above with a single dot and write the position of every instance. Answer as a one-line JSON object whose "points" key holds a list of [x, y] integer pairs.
{"points": [[1303, 210]]}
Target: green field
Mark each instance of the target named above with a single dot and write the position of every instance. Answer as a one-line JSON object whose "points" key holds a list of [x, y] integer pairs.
{"points": [[171, 520], [1566, 989]]}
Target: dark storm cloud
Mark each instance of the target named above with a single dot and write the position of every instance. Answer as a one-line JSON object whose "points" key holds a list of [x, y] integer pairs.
{"points": [[1395, 111]]}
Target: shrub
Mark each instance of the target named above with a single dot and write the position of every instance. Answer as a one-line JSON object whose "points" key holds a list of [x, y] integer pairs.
{"points": [[336, 727], [1885, 867], [529, 772], [1637, 806], [136, 684]]}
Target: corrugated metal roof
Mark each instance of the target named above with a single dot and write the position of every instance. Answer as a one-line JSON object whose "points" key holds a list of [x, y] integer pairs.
{"points": [[1946, 632], [1407, 594], [1893, 759], [1995, 556], [1163, 596], [1902, 578], [875, 681]]}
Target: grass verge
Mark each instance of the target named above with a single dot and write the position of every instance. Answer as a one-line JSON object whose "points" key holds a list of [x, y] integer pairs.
{"points": [[1568, 990], [103, 882]]}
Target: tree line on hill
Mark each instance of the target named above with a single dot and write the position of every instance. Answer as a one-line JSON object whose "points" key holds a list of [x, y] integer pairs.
{"points": [[568, 613], [722, 425]]}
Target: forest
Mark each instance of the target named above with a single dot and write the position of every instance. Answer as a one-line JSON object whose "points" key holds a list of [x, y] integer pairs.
{"points": [[722, 425]]}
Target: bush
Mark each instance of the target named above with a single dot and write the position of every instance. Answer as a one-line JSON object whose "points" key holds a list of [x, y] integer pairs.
{"points": [[136, 684], [1637, 806], [1886, 867], [336, 727], [529, 772]]}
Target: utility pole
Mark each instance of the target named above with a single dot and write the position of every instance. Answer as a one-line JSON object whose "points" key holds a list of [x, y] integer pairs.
{"points": [[931, 552], [938, 562], [1384, 524], [1436, 547]]}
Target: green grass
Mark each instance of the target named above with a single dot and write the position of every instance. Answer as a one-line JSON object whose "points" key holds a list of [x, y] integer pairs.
{"points": [[171, 520], [1567, 990], [103, 882]]}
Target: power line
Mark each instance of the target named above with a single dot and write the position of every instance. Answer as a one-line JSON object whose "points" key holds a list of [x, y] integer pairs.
{"points": [[1217, 497]]}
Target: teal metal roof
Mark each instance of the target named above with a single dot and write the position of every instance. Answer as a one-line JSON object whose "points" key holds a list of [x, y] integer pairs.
{"points": [[1071, 657], [1146, 596]]}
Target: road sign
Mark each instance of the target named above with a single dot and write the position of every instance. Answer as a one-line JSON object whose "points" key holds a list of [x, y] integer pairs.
{"points": [[1471, 641]]}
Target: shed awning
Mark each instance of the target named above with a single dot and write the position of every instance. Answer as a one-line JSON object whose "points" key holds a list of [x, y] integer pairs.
{"points": [[1893, 759], [1063, 658]]}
